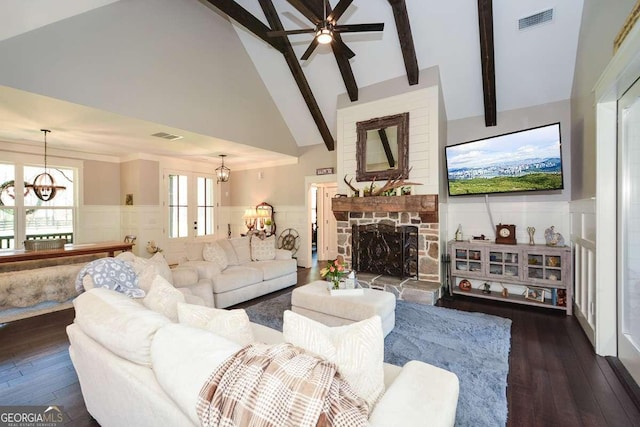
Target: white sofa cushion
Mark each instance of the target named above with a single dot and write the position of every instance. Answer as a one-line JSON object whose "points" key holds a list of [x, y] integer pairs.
{"points": [[231, 324], [263, 249], [276, 268], [242, 247], [235, 277], [194, 250], [183, 358], [357, 350], [118, 323], [226, 245], [214, 253], [283, 254], [206, 269], [163, 298]]}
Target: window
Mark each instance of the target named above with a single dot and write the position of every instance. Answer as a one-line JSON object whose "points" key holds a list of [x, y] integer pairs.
{"points": [[24, 216], [190, 200], [205, 206], [178, 206]]}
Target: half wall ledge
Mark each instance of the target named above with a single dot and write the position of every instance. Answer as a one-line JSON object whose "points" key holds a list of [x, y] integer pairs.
{"points": [[426, 205]]}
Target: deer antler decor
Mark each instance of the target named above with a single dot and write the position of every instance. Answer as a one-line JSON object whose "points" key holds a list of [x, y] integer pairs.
{"points": [[355, 190], [391, 183]]}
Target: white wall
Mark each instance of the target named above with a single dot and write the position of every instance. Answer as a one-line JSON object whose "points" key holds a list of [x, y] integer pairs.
{"points": [[540, 209], [423, 108]]}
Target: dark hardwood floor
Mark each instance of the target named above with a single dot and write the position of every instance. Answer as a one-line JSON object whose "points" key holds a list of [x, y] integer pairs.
{"points": [[555, 379]]}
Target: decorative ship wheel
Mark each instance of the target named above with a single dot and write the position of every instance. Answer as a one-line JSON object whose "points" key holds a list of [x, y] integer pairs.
{"points": [[290, 240]]}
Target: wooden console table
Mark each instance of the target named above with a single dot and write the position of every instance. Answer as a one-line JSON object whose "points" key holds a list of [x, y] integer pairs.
{"points": [[13, 255]]}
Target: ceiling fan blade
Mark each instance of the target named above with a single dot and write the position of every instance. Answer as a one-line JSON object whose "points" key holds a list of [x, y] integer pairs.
{"points": [[342, 47], [312, 46], [289, 32], [357, 28], [339, 10]]}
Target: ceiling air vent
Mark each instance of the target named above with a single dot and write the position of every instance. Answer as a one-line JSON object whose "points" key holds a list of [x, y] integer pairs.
{"points": [[535, 19], [168, 136]]}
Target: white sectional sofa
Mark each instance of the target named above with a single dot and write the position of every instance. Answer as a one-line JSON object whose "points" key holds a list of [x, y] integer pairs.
{"points": [[241, 268], [137, 368]]}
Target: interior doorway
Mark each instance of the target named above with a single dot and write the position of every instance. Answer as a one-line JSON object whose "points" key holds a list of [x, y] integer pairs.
{"points": [[628, 231], [327, 226], [321, 228]]}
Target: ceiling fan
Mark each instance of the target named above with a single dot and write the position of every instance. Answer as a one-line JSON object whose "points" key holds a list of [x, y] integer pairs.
{"points": [[326, 28]]}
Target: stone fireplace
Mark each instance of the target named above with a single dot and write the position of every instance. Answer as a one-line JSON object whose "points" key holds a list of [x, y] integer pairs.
{"points": [[416, 215], [384, 249]]}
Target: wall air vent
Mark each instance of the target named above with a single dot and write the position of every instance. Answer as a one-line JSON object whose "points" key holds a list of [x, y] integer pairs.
{"points": [[168, 136], [535, 19]]}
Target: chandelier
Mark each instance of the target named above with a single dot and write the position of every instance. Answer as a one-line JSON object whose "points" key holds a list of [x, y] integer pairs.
{"points": [[44, 186], [223, 172]]}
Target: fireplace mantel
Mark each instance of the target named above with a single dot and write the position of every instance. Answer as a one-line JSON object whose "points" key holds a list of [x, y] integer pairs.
{"points": [[426, 205]]}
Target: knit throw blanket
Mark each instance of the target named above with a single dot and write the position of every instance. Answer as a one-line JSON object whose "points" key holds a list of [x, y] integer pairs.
{"points": [[113, 274], [278, 385]]}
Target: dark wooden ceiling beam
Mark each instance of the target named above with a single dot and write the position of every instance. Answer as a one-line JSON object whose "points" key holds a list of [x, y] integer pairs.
{"points": [[295, 68], [247, 20], [485, 20], [307, 9], [401, 17], [345, 68]]}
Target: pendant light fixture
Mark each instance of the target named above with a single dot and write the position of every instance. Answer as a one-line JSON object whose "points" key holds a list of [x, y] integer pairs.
{"points": [[44, 186], [223, 172]]}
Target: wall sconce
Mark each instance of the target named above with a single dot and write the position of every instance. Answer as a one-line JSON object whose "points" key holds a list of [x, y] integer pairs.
{"points": [[223, 172], [249, 217]]}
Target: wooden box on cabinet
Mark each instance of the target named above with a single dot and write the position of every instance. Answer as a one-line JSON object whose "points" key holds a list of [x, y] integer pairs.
{"points": [[537, 266]]}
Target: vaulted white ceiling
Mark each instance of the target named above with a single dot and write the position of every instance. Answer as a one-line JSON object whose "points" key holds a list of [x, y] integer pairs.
{"points": [[533, 66]]}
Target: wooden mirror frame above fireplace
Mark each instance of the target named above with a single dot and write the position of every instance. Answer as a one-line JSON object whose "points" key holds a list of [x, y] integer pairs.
{"points": [[397, 159]]}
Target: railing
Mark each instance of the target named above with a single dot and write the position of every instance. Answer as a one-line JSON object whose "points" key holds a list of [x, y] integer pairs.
{"points": [[585, 285], [7, 242]]}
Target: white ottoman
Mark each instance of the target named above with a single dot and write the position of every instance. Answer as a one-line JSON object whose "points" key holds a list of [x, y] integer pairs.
{"points": [[315, 302]]}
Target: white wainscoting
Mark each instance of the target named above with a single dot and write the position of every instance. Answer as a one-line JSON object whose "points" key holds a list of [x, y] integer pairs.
{"points": [[98, 224], [146, 223], [473, 217], [583, 239]]}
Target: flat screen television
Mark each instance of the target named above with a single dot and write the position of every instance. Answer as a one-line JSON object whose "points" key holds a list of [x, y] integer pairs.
{"points": [[526, 160]]}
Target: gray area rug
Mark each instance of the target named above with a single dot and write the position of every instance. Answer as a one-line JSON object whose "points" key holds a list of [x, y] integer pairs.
{"points": [[475, 346]]}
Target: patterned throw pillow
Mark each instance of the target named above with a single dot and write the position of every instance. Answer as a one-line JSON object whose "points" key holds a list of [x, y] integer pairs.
{"points": [[214, 253], [263, 250], [163, 298], [231, 324], [357, 349]]}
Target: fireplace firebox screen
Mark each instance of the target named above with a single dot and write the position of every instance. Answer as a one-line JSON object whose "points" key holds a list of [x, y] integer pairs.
{"points": [[385, 249]]}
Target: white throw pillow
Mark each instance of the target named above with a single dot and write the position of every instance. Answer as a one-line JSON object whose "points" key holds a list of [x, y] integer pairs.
{"points": [[242, 247], [231, 324], [146, 276], [163, 266], [225, 244], [163, 298], [214, 253], [263, 249], [194, 250], [357, 349]]}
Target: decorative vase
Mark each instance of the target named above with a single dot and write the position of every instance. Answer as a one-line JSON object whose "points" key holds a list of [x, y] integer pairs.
{"points": [[335, 282], [531, 231]]}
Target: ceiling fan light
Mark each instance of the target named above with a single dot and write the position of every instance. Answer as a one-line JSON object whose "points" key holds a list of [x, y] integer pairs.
{"points": [[324, 36]]}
